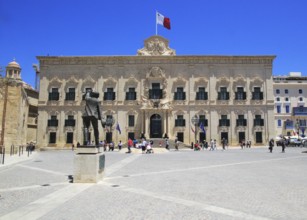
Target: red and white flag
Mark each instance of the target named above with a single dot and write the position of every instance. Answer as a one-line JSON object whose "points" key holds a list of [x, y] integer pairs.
{"points": [[163, 21], [192, 129]]}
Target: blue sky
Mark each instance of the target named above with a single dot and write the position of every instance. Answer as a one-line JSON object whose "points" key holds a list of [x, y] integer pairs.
{"points": [[29, 28]]}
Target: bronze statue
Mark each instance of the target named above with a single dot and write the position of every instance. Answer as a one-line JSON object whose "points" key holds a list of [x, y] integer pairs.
{"points": [[92, 114]]}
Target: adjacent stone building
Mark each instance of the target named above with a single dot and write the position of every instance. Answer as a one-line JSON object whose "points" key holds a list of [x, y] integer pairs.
{"points": [[158, 93], [18, 109], [290, 104]]}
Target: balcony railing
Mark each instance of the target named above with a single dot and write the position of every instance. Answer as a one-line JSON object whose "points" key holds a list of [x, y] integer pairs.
{"points": [[299, 111]]}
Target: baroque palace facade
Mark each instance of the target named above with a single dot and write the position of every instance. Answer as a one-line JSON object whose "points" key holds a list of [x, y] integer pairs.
{"points": [[157, 93]]}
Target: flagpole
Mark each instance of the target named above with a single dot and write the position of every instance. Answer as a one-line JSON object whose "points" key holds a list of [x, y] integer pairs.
{"points": [[156, 23]]}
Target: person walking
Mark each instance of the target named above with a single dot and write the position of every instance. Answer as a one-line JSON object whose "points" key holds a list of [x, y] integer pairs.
{"points": [[130, 144], [176, 144], [271, 145], [283, 145], [144, 144], [223, 143], [120, 144], [166, 144], [211, 145]]}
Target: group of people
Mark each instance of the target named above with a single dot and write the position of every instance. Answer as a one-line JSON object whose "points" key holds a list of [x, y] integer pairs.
{"points": [[145, 145], [245, 144], [211, 145], [283, 143]]}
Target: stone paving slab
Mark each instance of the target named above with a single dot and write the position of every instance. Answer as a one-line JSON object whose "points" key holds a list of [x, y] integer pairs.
{"points": [[231, 184]]}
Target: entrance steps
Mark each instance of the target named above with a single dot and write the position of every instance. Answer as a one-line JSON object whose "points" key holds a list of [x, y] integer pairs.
{"points": [[157, 141]]}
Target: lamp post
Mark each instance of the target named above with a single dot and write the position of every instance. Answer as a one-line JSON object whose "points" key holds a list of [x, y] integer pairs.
{"points": [[195, 121]]}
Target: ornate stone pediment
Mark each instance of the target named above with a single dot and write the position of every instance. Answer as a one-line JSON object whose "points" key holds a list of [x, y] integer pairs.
{"points": [[156, 46]]}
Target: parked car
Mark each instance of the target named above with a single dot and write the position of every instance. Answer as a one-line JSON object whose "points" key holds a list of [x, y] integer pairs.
{"points": [[295, 142]]}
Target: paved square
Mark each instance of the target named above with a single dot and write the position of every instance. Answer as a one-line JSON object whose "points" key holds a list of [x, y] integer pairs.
{"points": [[231, 184]]}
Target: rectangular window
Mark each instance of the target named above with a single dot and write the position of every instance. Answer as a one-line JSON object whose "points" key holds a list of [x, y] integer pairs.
{"points": [[180, 121], [70, 121], [257, 94], [241, 121], [203, 120], [131, 94], [201, 94], [223, 94], [180, 94], [287, 109], [52, 137], [180, 136], [53, 121], [258, 121], [278, 108], [131, 120], [240, 94], [279, 123], [70, 95], [54, 94], [224, 121], [69, 137], [155, 92], [109, 94]]}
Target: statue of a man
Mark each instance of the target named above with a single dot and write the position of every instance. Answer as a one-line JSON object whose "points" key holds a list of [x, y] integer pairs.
{"points": [[91, 115]]}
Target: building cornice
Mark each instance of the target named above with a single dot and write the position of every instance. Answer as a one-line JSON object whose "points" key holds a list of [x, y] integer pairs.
{"points": [[128, 60]]}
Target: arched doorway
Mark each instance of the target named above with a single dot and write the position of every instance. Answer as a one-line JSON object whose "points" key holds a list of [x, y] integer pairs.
{"points": [[155, 126]]}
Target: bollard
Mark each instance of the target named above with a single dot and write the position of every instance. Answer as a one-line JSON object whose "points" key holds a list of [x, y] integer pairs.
{"points": [[3, 153], [28, 149], [11, 151]]}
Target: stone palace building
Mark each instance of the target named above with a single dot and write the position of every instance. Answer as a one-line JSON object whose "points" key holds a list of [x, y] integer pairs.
{"points": [[18, 109], [157, 93]]}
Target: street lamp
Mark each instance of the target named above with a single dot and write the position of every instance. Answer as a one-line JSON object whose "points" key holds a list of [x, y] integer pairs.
{"points": [[195, 121]]}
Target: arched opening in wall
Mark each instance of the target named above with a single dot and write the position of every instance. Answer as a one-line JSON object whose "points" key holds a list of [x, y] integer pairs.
{"points": [[155, 126]]}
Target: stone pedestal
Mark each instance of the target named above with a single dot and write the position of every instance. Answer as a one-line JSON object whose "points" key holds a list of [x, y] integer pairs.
{"points": [[89, 165]]}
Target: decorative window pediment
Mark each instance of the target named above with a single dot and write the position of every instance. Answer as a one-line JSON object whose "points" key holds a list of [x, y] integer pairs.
{"points": [[54, 83], [71, 82], [155, 75], [131, 83]]}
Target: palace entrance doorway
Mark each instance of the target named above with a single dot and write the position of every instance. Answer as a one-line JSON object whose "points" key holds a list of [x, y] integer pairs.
{"points": [[155, 126]]}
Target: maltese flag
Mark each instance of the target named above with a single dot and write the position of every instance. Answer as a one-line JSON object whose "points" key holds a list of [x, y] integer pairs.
{"points": [[163, 21]]}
